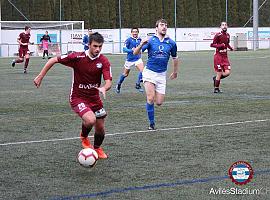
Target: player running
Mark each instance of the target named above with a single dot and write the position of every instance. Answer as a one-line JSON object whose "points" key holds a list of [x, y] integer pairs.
{"points": [[221, 62], [23, 41], [160, 47], [45, 39], [132, 60], [86, 39], [88, 68]]}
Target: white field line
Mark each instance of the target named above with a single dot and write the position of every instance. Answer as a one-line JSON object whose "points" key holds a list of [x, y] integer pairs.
{"points": [[144, 131]]}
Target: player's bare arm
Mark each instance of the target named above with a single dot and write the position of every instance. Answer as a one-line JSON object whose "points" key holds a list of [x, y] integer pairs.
{"points": [[138, 49], [176, 63], [43, 72], [105, 87]]}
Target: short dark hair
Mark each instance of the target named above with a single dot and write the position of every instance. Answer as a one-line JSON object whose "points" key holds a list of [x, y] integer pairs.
{"points": [[222, 22], [161, 21], [97, 37], [26, 27], [134, 28]]}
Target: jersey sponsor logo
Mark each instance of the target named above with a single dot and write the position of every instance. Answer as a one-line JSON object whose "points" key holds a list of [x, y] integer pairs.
{"points": [[99, 65], [88, 86], [161, 48]]}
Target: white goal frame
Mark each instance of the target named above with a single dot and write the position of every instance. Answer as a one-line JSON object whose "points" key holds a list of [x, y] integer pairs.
{"points": [[40, 25]]}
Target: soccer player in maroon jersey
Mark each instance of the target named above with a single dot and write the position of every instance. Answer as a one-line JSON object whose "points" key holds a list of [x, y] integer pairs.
{"points": [[221, 62], [88, 67], [23, 40]]}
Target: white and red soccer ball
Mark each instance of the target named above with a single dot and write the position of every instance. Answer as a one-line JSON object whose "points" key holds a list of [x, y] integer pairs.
{"points": [[87, 157]]}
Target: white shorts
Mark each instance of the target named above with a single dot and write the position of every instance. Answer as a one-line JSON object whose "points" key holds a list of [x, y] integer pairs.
{"points": [[158, 79], [128, 64]]}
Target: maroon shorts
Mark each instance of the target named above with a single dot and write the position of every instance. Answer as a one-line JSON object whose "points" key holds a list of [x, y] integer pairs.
{"points": [[23, 52], [82, 106], [221, 63]]}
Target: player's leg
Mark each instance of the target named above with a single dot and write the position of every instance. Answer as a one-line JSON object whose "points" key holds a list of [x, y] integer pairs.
{"points": [[88, 121], [217, 79], [20, 59], [150, 99], [27, 58], [122, 77], [99, 137], [44, 51], [47, 53], [218, 70], [140, 67]]}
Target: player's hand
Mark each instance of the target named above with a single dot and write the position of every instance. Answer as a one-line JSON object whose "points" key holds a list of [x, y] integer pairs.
{"points": [[103, 91], [144, 41], [38, 80], [173, 75]]}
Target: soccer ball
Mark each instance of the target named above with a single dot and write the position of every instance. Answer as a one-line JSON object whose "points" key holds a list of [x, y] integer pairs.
{"points": [[87, 157]]}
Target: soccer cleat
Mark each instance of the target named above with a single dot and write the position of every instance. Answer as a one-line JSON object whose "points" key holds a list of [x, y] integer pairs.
{"points": [[217, 90], [152, 127], [43, 57], [86, 142], [101, 153], [25, 71], [139, 87], [13, 63], [117, 88]]}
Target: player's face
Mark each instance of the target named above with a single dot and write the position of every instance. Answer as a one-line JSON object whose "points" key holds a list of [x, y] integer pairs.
{"points": [[224, 26], [162, 28], [95, 48], [134, 33], [28, 31]]}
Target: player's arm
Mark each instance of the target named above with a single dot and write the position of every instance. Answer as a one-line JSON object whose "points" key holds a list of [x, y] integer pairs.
{"points": [[215, 43], [19, 41], [138, 49], [229, 46], [105, 87], [85, 41], [49, 39], [175, 62], [45, 69], [125, 48]]}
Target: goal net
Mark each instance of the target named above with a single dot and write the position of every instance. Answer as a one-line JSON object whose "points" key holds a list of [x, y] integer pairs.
{"points": [[66, 36]]}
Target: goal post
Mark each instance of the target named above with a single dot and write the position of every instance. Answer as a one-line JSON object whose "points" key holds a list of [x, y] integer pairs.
{"points": [[66, 36]]}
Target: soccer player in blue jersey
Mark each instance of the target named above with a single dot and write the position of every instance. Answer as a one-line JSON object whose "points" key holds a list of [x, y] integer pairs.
{"points": [[86, 39], [132, 60], [160, 47]]}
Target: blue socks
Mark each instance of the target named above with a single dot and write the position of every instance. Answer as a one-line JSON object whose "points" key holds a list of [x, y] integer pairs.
{"points": [[150, 113], [121, 79], [139, 78]]}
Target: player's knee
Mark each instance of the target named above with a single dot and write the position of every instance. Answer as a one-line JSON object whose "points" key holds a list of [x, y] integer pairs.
{"points": [[90, 122], [150, 99]]}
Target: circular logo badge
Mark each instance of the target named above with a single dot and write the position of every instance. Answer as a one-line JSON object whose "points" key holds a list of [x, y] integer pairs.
{"points": [[241, 172]]}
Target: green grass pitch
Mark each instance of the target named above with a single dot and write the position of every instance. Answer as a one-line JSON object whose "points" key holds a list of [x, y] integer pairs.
{"points": [[199, 134]]}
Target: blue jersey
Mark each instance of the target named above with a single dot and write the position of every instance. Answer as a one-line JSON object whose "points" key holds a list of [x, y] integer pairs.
{"points": [[129, 44], [159, 53], [85, 42]]}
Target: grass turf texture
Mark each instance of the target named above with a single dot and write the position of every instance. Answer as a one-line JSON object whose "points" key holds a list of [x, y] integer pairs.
{"points": [[48, 170]]}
